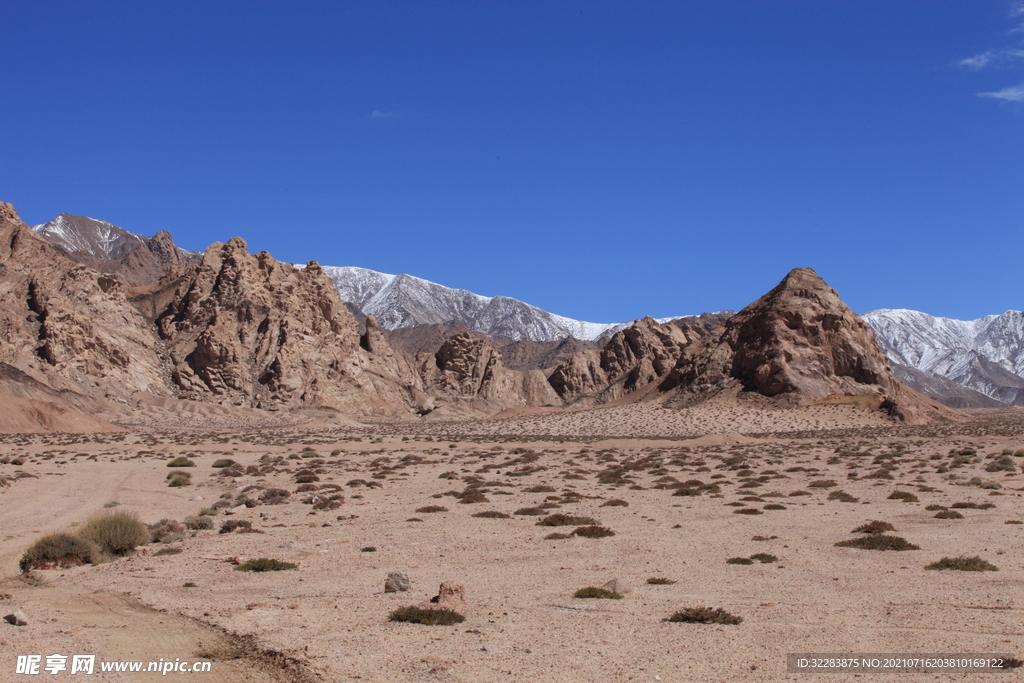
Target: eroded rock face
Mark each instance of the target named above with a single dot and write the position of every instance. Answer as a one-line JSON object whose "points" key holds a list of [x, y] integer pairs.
{"points": [[798, 343], [631, 359]]}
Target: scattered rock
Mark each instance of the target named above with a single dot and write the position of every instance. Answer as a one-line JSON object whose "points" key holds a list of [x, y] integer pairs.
{"points": [[397, 582], [17, 618], [450, 596]]}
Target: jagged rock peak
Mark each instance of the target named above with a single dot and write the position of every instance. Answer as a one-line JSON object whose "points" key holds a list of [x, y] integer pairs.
{"points": [[81, 234], [799, 342]]}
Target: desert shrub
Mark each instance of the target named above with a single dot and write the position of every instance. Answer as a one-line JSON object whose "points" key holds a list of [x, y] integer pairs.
{"points": [[739, 560], [822, 484], [163, 528], [540, 489], [305, 488], [972, 506], [600, 593], [167, 551], [274, 496], [842, 497], [560, 519], [429, 616], [964, 564], [593, 531], [774, 506], [178, 479], [265, 564], [432, 508], [327, 504], [878, 542], [223, 462], [905, 496], [117, 533], [181, 461], [614, 502], [764, 558], [233, 525], [1003, 464], [491, 514], [1013, 521], [58, 550], [934, 508], [306, 478], [875, 527], [748, 511], [705, 615], [473, 497], [660, 581], [948, 514], [198, 522], [556, 536], [246, 501], [368, 549], [533, 511]]}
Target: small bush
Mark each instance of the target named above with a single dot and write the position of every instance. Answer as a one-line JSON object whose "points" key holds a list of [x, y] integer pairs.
{"points": [[905, 496], [429, 616], [599, 593], [58, 550], [739, 560], [748, 511], [705, 615], [178, 479], [474, 496], [167, 551], [181, 461], [875, 527], [540, 489], [764, 558], [933, 507], [560, 519], [593, 531], [556, 536], [878, 542], [164, 528], [275, 497], [774, 506], [1003, 464], [972, 506], [534, 511], [117, 533], [491, 514], [964, 564], [432, 508], [948, 514], [659, 581], [843, 497], [822, 484], [614, 502], [265, 564], [198, 522], [222, 463], [368, 549], [233, 525]]}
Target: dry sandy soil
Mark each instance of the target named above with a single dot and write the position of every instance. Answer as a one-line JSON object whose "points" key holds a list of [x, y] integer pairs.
{"points": [[328, 620]]}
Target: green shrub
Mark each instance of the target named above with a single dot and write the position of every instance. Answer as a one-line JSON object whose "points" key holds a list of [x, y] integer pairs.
{"points": [[117, 533], [964, 564], [540, 489], [58, 550], [593, 531], [822, 484], [265, 564], [948, 514], [178, 479], [592, 592], [775, 506], [659, 581], [905, 496], [739, 560], [181, 461], [222, 463], [560, 519], [1003, 464], [368, 549], [764, 558], [842, 497], [163, 528], [429, 616], [534, 511], [878, 542], [491, 514], [705, 615]]}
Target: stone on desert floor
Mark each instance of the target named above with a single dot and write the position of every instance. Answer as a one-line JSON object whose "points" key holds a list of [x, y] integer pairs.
{"points": [[397, 582], [616, 586], [450, 595], [17, 618]]}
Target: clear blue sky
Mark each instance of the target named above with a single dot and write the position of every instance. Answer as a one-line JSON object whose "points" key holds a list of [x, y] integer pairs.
{"points": [[602, 160]]}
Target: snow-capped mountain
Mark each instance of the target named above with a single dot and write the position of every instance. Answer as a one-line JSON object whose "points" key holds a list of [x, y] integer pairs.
{"points": [[89, 235], [403, 301], [986, 355]]}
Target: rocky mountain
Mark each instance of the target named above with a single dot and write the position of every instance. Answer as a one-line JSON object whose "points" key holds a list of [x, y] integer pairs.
{"points": [[134, 259], [984, 355], [798, 344]]}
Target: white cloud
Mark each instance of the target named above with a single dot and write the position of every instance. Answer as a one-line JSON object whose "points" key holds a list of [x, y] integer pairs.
{"points": [[1014, 93], [385, 114], [992, 57]]}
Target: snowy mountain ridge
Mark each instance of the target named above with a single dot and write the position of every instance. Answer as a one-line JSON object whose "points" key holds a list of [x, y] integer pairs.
{"points": [[986, 355], [101, 239], [404, 300]]}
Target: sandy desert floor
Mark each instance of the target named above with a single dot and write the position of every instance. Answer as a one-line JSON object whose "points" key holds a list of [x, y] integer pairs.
{"points": [[785, 483]]}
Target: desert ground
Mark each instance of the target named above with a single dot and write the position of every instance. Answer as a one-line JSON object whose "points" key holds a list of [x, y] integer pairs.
{"points": [[682, 490]]}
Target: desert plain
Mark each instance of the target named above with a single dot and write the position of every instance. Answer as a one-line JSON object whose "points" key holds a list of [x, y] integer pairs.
{"points": [[683, 489]]}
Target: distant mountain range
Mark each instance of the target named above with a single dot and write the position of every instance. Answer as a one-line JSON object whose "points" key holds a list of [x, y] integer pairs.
{"points": [[977, 363]]}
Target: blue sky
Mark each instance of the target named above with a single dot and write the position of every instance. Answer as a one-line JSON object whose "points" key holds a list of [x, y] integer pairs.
{"points": [[601, 160]]}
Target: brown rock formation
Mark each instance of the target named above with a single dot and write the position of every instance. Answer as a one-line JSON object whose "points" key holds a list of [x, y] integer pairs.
{"points": [[632, 358]]}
